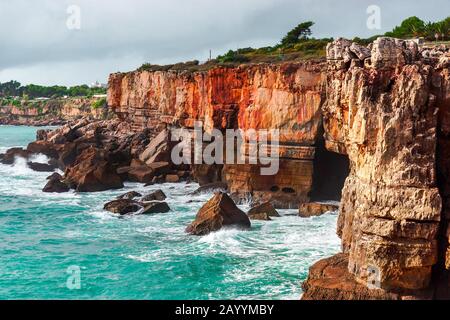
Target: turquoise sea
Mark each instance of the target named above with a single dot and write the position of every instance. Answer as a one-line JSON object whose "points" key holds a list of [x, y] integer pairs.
{"points": [[43, 237]]}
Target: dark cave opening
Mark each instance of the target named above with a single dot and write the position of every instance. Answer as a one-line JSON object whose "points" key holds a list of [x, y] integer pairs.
{"points": [[330, 171]]}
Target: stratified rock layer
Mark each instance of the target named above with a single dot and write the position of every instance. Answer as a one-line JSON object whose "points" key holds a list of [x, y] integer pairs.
{"points": [[384, 116], [286, 97]]}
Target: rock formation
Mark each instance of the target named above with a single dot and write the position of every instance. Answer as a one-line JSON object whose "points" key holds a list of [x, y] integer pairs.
{"points": [[383, 107], [217, 213], [312, 209], [377, 115], [386, 113], [285, 97]]}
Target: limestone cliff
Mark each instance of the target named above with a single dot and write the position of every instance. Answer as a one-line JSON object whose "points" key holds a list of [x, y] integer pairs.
{"points": [[386, 112], [384, 108], [287, 97]]}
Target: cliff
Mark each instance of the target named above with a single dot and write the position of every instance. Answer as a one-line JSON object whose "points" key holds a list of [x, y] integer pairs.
{"points": [[52, 112], [377, 117], [287, 97]]}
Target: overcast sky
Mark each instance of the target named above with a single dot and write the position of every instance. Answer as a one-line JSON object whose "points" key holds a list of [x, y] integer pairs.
{"points": [[36, 46]]}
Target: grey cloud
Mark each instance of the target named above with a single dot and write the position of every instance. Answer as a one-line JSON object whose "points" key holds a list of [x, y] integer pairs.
{"points": [[117, 35]]}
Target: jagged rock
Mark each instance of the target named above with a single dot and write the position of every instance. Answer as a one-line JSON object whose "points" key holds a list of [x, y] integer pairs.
{"points": [[155, 207], [313, 209], [11, 154], [211, 187], [54, 175], [123, 206], [41, 167], [218, 212], [55, 185], [337, 50], [157, 150], [43, 147], [360, 51], [263, 212], [92, 172], [142, 174], [41, 134], [159, 168], [130, 195], [158, 195]]}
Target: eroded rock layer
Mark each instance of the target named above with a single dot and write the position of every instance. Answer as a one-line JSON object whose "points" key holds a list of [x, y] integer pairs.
{"points": [[287, 97], [383, 112]]}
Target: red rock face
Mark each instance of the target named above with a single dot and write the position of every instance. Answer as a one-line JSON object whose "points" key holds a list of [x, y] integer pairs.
{"points": [[286, 97]]}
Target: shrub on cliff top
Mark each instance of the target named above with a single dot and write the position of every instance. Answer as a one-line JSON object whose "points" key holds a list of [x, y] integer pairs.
{"points": [[99, 103]]}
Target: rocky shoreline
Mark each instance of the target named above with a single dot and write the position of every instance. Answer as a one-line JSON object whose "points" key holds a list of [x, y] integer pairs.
{"points": [[370, 124]]}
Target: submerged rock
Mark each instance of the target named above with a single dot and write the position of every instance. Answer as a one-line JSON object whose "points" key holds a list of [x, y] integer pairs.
{"points": [[155, 207], [123, 206], [55, 185], [130, 195], [218, 212], [263, 212], [41, 167], [313, 209], [11, 154]]}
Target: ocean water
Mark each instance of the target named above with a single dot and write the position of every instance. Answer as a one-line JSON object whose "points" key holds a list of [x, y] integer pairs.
{"points": [[44, 238]]}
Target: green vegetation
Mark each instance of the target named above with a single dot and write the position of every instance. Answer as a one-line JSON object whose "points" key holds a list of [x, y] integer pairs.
{"points": [[415, 27], [99, 103], [32, 91], [298, 44]]}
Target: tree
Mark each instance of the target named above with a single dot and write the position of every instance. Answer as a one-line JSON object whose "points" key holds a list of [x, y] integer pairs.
{"points": [[300, 32], [413, 26]]}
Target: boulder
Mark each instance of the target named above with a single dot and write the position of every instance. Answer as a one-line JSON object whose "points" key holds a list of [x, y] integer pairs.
{"points": [[43, 147], [172, 178], [55, 185], [157, 150], [158, 195], [142, 174], [155, 207], [11, 154], [123, 206], [263, 212], [92, 172], [130, 195], [54, 175], [159, 168], [41, 167], [218, 212], [313, 209], [360, 51]]}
